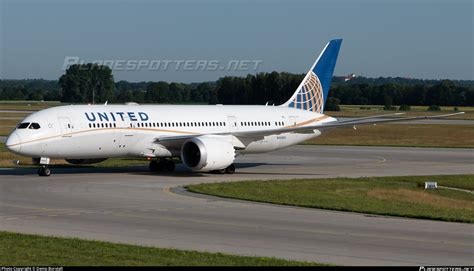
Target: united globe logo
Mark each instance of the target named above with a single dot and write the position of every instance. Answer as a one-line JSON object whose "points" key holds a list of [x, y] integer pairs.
{"points": [[310, 95]]}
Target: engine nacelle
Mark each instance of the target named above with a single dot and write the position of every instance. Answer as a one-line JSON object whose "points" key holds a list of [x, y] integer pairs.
{"points": [[207, 153], [85, 161]]}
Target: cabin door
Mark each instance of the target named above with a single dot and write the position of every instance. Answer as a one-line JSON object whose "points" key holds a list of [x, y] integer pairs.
{"points": [[66, 127]]}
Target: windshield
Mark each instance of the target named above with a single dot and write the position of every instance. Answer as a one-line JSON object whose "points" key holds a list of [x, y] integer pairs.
{"points": [[29, 125], [23, 125], [34, 125]]}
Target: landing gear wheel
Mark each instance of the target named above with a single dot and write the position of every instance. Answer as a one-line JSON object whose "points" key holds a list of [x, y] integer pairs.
{"points": [[169, 165], [217, 171], [162, 165], [230, 169], [154, 167], [44, 171]]}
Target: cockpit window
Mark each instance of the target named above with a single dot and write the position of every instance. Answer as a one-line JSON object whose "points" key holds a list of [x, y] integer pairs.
{"points": [[34, 125], [23, 125]]}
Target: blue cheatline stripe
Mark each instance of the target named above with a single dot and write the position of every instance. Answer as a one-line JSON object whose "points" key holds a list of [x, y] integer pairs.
{"points": [[324, 69]]}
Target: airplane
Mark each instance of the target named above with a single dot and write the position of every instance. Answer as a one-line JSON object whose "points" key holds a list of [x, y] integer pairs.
{"points": [[207, 138]]}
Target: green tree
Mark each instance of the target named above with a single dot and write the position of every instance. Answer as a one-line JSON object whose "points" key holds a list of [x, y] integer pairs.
{"points": [[332, 104], [87, 83]]}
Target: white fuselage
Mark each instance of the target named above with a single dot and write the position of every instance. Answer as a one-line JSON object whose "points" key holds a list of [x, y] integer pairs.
{"points": [[106, 131]]}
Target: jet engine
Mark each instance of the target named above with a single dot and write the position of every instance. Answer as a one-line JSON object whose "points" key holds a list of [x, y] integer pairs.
{"points": [[207, 153]]}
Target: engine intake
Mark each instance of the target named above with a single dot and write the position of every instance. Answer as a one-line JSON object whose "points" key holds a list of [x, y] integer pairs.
{"points": [[207, 153]]}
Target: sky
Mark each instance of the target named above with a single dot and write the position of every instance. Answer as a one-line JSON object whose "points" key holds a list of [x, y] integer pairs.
{"points": [[415, 39]]}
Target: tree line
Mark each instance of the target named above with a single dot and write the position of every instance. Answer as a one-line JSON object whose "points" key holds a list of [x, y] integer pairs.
{"points": [[88, 83]]}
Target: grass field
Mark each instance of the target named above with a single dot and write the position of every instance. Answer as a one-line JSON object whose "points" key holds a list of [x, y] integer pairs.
{"points": [[33, 250], [394, 196], [356, 111], [401, 135], [26, 105], [8, 125]]}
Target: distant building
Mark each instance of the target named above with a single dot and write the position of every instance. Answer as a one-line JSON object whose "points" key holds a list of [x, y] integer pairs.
{"points": [[350, 77]]}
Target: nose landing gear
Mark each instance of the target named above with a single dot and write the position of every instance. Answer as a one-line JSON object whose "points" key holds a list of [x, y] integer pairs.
{"points": [[44, 171]]}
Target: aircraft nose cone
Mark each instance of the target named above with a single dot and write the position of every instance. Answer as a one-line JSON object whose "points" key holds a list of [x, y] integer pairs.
{"points": [[13, 143]]}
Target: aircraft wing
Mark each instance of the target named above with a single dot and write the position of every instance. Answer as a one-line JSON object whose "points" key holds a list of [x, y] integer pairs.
{"points": [[337, 124], [248, 136]]}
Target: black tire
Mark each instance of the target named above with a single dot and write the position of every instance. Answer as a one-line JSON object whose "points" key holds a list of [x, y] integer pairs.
{"points": [[44, 171], [153, 166], [217, 171], [230, 169], [161, 166], [169, 166]]}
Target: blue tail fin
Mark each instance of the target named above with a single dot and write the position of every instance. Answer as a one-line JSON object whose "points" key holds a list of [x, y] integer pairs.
{"points": [[313, 91]]}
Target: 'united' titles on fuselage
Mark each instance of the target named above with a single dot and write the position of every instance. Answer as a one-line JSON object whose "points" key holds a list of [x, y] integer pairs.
{"points": [[104, 116]]}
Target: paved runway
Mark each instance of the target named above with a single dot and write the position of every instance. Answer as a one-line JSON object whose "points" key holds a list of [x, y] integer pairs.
{"points": [[133, 206]]}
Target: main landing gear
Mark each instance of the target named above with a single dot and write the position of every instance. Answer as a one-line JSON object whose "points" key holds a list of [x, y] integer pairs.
{"points": [[229, 170], [162, 165]]}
